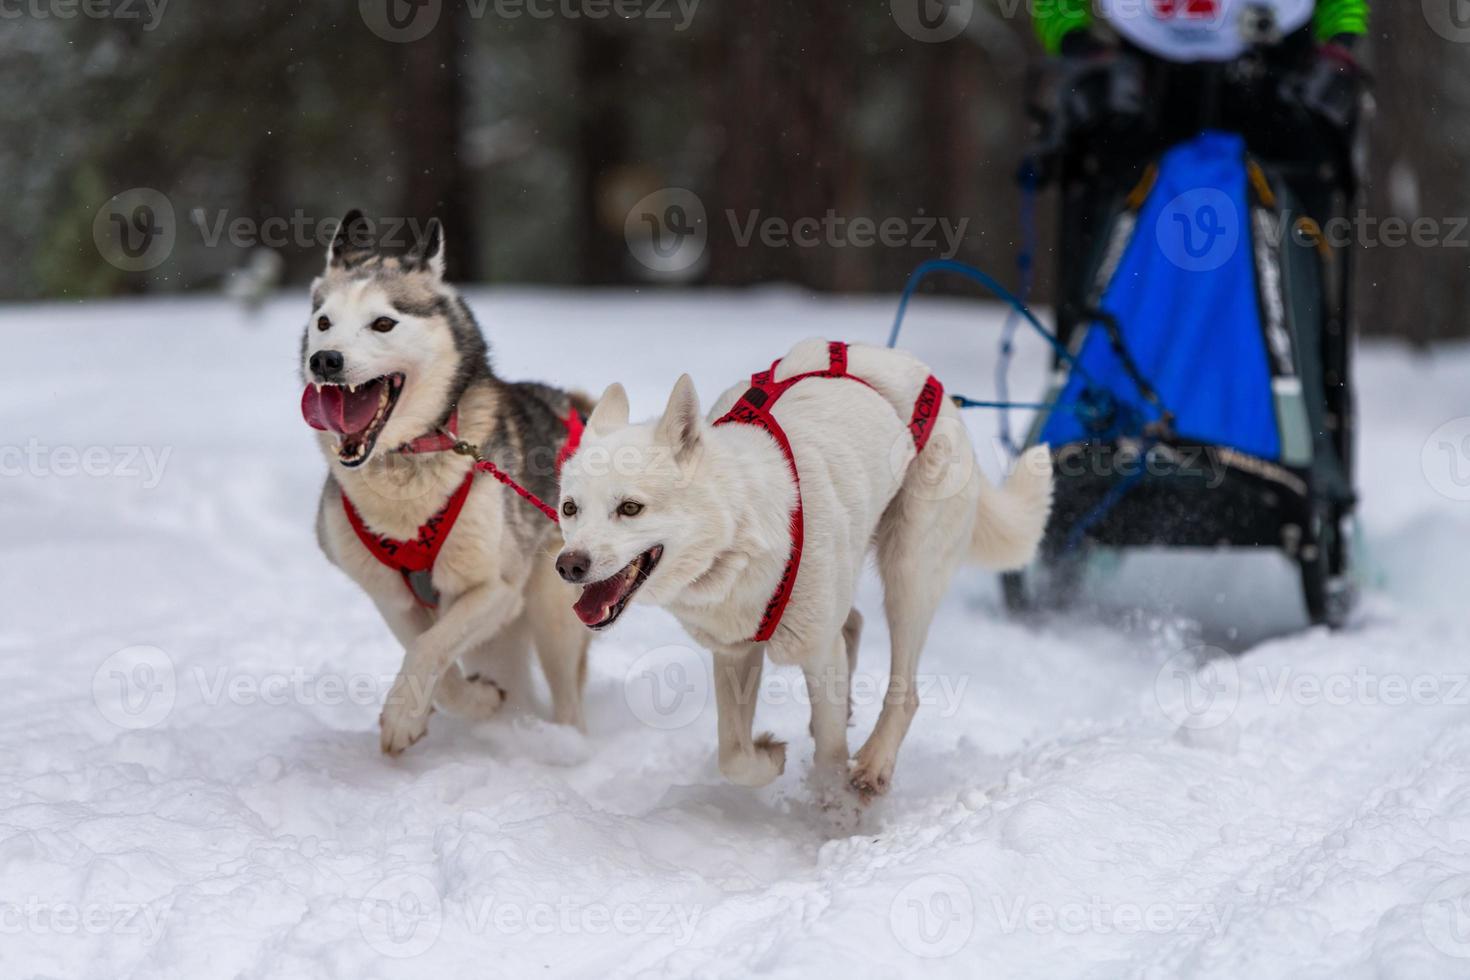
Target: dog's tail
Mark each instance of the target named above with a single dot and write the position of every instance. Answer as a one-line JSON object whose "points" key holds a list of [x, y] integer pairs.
{"points": [[1013, 516]]}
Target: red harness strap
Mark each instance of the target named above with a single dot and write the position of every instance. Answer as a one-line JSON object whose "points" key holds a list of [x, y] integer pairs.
{"points": [[414, 559], [754, 408]]}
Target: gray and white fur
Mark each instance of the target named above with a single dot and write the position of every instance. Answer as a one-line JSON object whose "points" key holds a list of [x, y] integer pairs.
{"points": [[377, 317]]}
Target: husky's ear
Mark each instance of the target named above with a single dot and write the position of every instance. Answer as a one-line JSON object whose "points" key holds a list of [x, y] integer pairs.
{"points": [[681, 427], [352, 243], [428, 254], [611, 413]]}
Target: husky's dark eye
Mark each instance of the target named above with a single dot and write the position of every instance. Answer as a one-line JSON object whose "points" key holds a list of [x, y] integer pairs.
{"points": [[569, 508], [630, 508], [322, 323], [383, 324]]}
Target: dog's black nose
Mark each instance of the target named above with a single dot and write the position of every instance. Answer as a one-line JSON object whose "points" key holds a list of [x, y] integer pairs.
{"points": [[327, 364], [572, 565]]}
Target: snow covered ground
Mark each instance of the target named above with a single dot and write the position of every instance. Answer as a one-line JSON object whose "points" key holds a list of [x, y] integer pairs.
{"points": [[190, 783]]}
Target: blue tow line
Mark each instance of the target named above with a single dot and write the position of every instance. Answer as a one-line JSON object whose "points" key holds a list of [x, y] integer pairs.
{"points": [[917, 277], [1095, 403]]}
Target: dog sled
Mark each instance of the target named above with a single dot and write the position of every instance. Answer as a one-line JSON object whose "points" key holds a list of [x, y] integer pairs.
{"points": [[1201, 396]]}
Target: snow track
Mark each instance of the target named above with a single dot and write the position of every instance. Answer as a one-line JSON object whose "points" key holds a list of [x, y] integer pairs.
{"points": [[190, 784]]}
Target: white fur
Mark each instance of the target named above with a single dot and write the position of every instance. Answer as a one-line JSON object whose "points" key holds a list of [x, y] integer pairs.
{"points": [[719, 499]]}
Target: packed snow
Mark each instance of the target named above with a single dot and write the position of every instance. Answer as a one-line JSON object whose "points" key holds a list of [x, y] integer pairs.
{"points": [[190, 781]]}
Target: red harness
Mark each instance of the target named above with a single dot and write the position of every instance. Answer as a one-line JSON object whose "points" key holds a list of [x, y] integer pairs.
{"points": [[754, 408], [414, 559]]}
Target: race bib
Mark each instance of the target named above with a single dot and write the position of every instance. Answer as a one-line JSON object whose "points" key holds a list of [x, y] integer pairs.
{"points": [[1204, 30]]}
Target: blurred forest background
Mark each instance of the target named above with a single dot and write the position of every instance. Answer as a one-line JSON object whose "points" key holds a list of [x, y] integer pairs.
{"points": [[533, 136]]}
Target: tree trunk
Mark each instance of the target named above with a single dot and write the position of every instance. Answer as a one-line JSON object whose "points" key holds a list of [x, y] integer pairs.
{"points": [[429, 123]]}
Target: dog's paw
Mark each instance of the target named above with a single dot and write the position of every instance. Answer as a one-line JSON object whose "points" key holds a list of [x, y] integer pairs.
{"points": [[405, 719], [765, 761], [834, 798], [474, 697], [870, 775]]}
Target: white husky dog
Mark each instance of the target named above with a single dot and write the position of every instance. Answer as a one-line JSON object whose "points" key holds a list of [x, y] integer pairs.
{"points": [[703, 517]]}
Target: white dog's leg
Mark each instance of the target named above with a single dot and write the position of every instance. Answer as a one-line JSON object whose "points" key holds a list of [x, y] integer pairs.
{"points": [[918, 551], [561, 643], [852, 638], [480, 612], [827, 685], [744, 760]]}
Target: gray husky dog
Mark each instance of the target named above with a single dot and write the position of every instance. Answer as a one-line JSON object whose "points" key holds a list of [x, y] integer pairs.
{"points": [[398, 381]]}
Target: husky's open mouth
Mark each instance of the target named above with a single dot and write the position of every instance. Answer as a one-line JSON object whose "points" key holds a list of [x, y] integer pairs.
{"points": [[603, 602], [357, 413]]}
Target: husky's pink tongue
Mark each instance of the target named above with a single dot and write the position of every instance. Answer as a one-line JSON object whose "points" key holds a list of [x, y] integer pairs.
{"points": [[598, 598], [334, 408]]}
